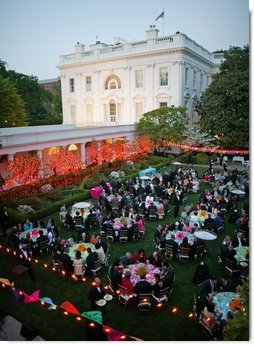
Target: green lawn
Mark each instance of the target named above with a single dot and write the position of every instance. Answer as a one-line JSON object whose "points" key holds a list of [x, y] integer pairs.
{"points": [[159, 325]]}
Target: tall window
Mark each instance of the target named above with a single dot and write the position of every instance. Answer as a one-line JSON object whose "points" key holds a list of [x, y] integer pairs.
{"points": [[88, 83], [163, 104], [112, 111], [72, 85], [186, 81], [113, 82], [139, 79], [73, 114], [163, 76], [194, 79], [89, 109], [201, 81], [139, 110]]}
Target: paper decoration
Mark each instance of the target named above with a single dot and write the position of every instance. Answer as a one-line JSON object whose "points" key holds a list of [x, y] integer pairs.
{"points": [[31, 298], [6, 282], [49, 301], [113, 334], [69, 307], [95, 316]]}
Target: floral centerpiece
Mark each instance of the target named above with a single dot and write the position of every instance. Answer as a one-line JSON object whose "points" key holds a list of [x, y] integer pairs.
{"points": [[141, 270], [235, 304], [179, 235], [81, 248], [203, 214]]}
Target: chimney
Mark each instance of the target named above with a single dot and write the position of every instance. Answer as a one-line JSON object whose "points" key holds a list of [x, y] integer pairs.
{"points": [[79, 47], [152, 33]]}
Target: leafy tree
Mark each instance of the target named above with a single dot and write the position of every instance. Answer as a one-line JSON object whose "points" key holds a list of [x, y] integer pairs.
{"points": [[163, 124], [57, 110], [37, 99], [193, 135], [13, 112], [224, 106]]}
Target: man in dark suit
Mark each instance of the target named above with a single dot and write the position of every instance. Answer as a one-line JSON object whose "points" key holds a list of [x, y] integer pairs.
{"points": [[168, 275], [176, 203], [66, 260], [238, 240], [90, 260], [142, 286], [208, 286], [4, 219], [96, 293]]}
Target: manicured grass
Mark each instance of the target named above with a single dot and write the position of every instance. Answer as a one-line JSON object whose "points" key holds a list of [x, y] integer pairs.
{"points": [[159, 325]]}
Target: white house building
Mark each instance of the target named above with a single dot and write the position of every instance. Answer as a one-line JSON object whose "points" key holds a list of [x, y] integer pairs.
{"points": [[113, 84]]}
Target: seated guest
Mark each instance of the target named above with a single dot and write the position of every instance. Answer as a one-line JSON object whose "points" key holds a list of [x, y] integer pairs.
{"points": [[126, 281], [101, 254], [157, 286], [140, 224], [116, 274], [167, 275], [224, 284], [29, 244], [23, 259], [173, 243], [155, 259], [238, 240], [177, 226], [41, 239], [140, 256], [78, 263], [196, 242], [185, 244], [158, 232], [209, 223], [212, 319], [152, 208], [51, 237], [194, 218], [78, 219], [208, 286], [69, 221], [218, 221], [187, 227], [231, 256], [90, 260], [66, 260], [96, 293], [83, 237], [127, 259], [72, 240], [28, 225], [142, 286]]}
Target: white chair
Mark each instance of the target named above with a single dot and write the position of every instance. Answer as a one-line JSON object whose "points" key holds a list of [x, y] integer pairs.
{"points": [[163, 296]]}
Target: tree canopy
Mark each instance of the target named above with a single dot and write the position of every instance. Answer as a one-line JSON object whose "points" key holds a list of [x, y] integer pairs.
{"points": [[224, 106], [41, 107], [163, 124], [13, 112]]}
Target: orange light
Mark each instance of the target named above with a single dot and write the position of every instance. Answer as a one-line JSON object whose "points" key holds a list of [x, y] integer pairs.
{"points": [[123, 337], [54, 269], [208, 319], [42, 303], [54, 307], [92, 324], [8, 250], [20, 292], [117, 292], [131, 296], [174, 310], [36, 261], [107, 330], [159, 305], [66, 313], [29, 259], [145, 300], [93, 283], [106, 287], [20, 256], [63, 272], [3, 285], [84, 279], [45, 265], [78, 318], [14, 253], [191, 315]]}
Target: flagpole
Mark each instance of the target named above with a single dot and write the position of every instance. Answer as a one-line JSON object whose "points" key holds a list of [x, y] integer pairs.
{"points": [[163, 19]]}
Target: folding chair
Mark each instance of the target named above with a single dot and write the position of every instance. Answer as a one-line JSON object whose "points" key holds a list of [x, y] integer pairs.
{"points": [[144, 301], [163, 296], [97, 267], [184, 254], [169, 251], [123, 235], [123, 296], [229, 266]]}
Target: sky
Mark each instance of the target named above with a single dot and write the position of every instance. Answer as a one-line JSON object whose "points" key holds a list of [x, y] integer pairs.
{"points": [[34, 33]]}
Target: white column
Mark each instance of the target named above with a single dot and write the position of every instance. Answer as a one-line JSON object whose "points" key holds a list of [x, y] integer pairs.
{"points": [[83, 154], [41, 169], [10, 157]]}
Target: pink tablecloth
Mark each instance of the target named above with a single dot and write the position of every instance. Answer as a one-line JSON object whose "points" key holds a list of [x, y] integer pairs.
{"points": [[95, 192]]}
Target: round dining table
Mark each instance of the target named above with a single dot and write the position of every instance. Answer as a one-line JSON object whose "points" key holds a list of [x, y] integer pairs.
{"points": [[241, 252], [205, 235], [179, 235], [83, 208], [34, 233], [202, 215], [82, 247], [150, 270], [222, 302], [238, 192]]}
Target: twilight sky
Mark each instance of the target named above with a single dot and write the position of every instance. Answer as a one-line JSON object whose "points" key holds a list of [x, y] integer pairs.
{"points": [[35, 32]]}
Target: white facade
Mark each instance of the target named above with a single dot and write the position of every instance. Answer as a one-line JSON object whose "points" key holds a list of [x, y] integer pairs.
{"points": [[115, 84]]}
